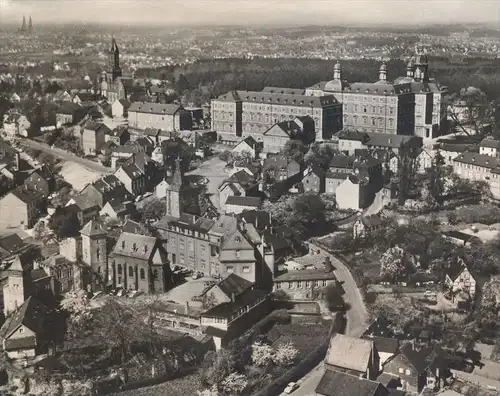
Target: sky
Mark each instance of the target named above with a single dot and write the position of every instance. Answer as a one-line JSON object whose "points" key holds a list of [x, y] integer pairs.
{"points": [[248, 12]]}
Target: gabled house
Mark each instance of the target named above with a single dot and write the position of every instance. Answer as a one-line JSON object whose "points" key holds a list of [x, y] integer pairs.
{"points": [[84, 208], [248, 146], [336, 383], [277, 136], [93, 137], [304, 284], [120, 135], [139, 262], [365, 226], [16, 124], [117, 210], [21, 208], [234, 300], [352, 355], [238, 184], [238, 204], [459, 278], [333, 180], [133, 178], [279, 168], [314, 180], [353, 193], [380, 327], [237, 256], [105, 189], [31, 330], [69, 113], [120, 107], [490, 146], [42, 180], [424, 161]]}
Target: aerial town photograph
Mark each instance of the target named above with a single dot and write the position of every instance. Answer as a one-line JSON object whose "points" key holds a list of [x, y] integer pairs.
{"points": [[249, 197]]}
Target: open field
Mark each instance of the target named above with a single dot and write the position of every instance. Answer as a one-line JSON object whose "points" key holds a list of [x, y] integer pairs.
{"points": [[77, 175]]}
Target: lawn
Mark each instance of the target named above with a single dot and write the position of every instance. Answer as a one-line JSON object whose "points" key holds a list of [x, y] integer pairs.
{"points": [[186, 386]]}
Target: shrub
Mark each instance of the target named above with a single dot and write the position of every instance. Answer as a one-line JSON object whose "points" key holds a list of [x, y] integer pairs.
{"points": [[262, 354], [286, 354]]}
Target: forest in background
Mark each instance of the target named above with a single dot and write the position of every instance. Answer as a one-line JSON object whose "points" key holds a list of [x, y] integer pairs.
{"points": [[201, 81]]}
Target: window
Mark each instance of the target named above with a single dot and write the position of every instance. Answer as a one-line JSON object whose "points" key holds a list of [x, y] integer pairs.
{"points": [[130, 271], [21, 330], [123, 244], [290, 285], [408, 372], [119, 269], [98, 254], [246, 269], [142, 274], [278, 285], [237, 253], [230, 269], [401, 370], [299, 284]]}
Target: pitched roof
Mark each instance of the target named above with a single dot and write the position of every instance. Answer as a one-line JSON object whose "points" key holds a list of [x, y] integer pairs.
{"points": [[282, 99], [92, 229], [489, 142], [154, 108], [253, 202], [284, 91], [349, 352], [233, 285], [11, 243], [380, 327], [67, 108], [482, 160], [26, 195], [305, 275], [342, 161], [384, 344], [334, 383], [417, 358], [135, 246], [29, 314], [132, 171]]}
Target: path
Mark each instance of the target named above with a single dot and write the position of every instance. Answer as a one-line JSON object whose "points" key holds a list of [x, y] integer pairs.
{"points": [[357, 320], [34, 145], [215, 171], [377, 204], [484, 382]]}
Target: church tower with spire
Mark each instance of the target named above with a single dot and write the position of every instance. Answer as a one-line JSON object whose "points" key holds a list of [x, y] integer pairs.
{"points": [[114, 60], [30, 26], [174, 202], [23, 26]]}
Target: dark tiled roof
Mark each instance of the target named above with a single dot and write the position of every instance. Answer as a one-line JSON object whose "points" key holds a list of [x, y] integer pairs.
{"points": [[68, 108], [243, 201], [380, 327], [11, 243], [26, 195], [258, 218], [417, 358], [342, 161], [92, 229], [490, 143], [458, 148], [379, 88], [336, 175], [482, 160], [277, 99], [234, 285], [386, 345], [132, 171], [135, 246], [334, 383], [226, 310], [284, 91], [154, 108], [38, 274]]}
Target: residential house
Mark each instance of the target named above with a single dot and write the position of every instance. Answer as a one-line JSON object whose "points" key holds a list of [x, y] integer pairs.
{"points": [[460, 238], [120, 135], [41, 179], [353, 193], [118, 210], [105, 189], [387, 348], [247, 147], [277, 136], [66, 275], [336, 383], [11, 246], [352, 355], [235, 300], [490, 146], [333, 180], [450, 151], [120, 107], [93, 137], [314, 180], [84, 208], [351, 140], [380, 327], [238, 184], [139, 262], [237, 204], [479, 167], [15, 98], [280, 168], [417, 367], [21, 208], [31, 330], [69, 113], [365, 226], [168, 117], [424, 160], [304, 284], [133, 178], [15, 124], [459, 278]]}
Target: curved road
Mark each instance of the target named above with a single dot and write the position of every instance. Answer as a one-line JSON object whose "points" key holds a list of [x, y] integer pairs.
{"points": [[357, 320], [32, 144]]}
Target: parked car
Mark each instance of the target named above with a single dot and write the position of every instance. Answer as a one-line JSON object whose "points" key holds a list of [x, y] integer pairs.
{"points": [[196, 275], [291, 387]]}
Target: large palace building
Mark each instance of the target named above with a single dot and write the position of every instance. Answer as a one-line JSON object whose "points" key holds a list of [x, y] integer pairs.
{"points": [[410, 105]]}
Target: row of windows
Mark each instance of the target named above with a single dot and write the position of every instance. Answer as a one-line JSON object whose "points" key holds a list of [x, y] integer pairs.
{"points": [[300, 284], [369, 109], [369, 121], [371, 98]]}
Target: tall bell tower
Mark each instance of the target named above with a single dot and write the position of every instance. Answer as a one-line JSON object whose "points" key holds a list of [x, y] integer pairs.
{"points": [[114, 60]]}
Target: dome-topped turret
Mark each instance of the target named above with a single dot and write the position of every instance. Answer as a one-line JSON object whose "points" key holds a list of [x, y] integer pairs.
{"points": [[410, 64], [337, 66], [383, 67], [421, 59], [337, 72]]}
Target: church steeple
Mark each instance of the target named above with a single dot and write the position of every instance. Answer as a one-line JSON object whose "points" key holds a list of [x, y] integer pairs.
{"points": [[114, 60], [174, 197], [177, 179], [30, 26]]}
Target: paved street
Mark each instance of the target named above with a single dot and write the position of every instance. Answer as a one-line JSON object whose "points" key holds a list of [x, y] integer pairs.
{"points": [[357, 320], [65, 156]]}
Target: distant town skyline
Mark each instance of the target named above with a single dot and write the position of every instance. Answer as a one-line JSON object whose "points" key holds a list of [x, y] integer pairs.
{"points": [[252, 12]]}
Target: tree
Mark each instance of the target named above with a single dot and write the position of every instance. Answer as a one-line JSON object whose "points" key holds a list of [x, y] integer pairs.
{"points": [[64, 222], [77, 305], [295, 150], [332, 298], [226, 156], [436, 179], [208, 301], [471, 108], [40, 231], [491, 295], [286, 354], [234, 384], [406, 172], [223, 364], [153, 210], [320, 155], [262, 354], [396, 265]]}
